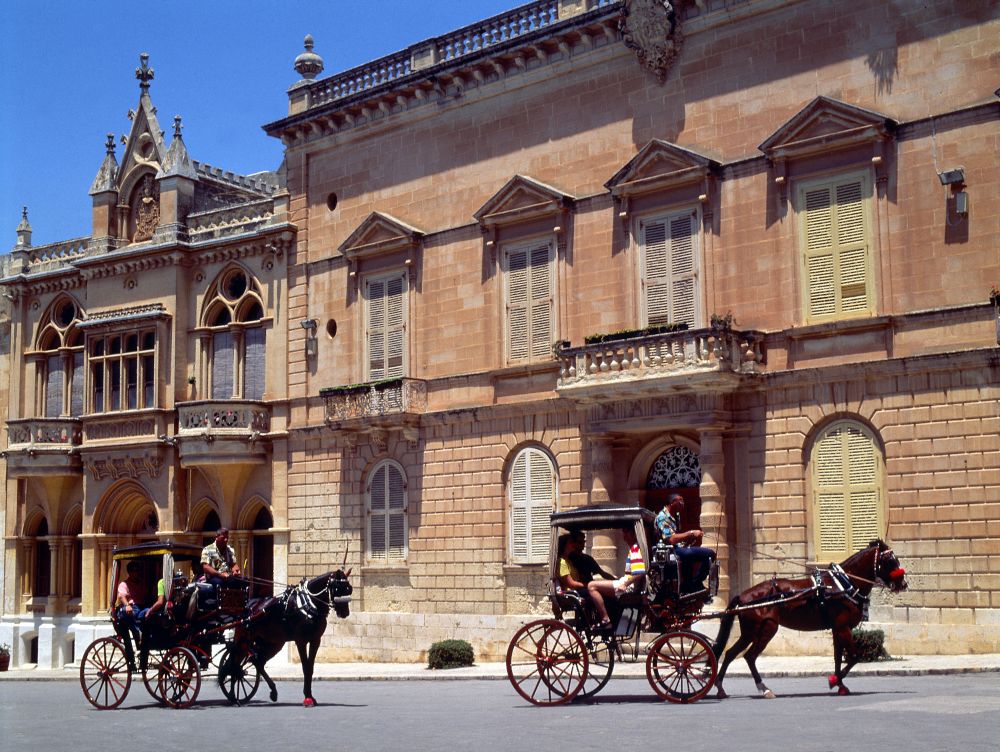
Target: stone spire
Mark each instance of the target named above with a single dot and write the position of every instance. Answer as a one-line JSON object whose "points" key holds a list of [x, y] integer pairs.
{"points": [[144, 73], [106, 175], [309, 64], [177, 162], [23, 231]]}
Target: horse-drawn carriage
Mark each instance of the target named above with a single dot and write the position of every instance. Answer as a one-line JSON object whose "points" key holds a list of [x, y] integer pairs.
{"points": [[177, 643], [552, 661]]}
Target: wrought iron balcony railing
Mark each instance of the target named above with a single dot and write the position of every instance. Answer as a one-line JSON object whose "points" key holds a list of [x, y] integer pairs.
{"points": [[658, 356], [376, 399]]}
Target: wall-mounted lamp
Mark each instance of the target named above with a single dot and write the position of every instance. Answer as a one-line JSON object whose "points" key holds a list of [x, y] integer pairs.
{"points": [[310, 326], [955, 179]]}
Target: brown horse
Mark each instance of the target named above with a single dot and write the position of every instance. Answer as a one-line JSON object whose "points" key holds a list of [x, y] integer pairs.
{"points": [[834, 600], [298, 615]]}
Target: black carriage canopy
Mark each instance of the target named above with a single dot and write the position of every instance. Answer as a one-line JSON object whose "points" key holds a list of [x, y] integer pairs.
{"points": [[162, 555], [601, 517]]}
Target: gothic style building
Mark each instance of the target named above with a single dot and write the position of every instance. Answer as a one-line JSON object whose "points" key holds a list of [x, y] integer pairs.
{"points": [[585, 251]]}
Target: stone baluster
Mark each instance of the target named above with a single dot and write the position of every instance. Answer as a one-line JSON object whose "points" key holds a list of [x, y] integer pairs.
{"points": [[713, 503]]}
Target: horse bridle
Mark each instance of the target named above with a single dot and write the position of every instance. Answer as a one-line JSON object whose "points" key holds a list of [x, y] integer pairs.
{"points": [[882, 554], [331, 599]]}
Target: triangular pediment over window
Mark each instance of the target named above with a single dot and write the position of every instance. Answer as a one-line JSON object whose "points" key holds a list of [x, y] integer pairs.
{"points": [[660, 165], [380, 234], [826, 124], [522, 199]]}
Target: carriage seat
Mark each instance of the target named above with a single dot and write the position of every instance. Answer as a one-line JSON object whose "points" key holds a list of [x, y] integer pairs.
{"points": [[565, 600]]}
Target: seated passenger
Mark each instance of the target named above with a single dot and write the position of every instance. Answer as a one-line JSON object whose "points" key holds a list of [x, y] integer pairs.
{"points": [[569, 575], [585, 564], [218, 561], [635, 571], [130, 594], [695, 560]]}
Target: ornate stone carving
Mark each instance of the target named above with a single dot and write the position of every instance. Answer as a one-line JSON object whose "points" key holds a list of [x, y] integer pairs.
{"points": [[675, 468], [125, 467], [652, 29], [147, 209]]}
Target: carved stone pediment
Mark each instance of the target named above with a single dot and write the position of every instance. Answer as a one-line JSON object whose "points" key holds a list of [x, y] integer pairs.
{"points": [[826, 124], [379, 234], [652, 29], [660, 165], [522, 199]]}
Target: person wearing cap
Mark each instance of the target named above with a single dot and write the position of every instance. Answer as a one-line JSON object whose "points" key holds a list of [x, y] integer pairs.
{"points": [[695, 559], [218, 560]]}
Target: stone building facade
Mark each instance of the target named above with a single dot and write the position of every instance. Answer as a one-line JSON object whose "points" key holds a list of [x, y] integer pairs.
{"points": [[585, 251]]}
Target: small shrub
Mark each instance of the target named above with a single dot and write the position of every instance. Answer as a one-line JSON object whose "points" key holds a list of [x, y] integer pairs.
{"points": [[870, 644], [450, 654]]}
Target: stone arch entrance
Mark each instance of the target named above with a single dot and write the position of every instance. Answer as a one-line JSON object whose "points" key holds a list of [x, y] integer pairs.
{"points": [[125, 516], [676, 469]]}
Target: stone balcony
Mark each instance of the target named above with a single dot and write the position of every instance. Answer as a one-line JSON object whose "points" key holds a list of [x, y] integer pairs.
{"points": [[43, 446], [376, 407], [703, 360], [222, 432]]}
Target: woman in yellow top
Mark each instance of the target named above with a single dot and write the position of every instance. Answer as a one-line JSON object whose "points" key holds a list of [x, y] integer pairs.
{"points": [[569, 575]]}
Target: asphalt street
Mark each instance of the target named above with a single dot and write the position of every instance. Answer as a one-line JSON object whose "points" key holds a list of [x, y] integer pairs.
{"points": [[906, 713]]}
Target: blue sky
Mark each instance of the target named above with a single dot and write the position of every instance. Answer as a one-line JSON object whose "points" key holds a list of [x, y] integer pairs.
{"points": [[67, 78]]}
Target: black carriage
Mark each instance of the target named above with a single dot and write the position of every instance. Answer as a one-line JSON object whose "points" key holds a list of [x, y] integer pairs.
{"points": [[193, 636], [552, 661]]}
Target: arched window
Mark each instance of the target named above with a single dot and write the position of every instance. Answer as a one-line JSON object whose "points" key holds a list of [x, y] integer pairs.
{"points": [[59, 353], [387, 524], [234, 318], [848, 500], [531, 493]]}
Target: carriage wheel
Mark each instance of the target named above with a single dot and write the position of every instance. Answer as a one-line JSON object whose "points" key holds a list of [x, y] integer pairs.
{"points": [[179, 678], [681, 666], [238, 676], [104, 673], [601, 656], [547, 662], [151, 674]]}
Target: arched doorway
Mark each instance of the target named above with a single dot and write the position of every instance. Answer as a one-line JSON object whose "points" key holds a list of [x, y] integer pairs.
{"points": [[262, 554], [677, 470]]}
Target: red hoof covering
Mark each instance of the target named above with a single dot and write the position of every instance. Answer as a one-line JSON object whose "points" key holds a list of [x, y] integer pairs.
{"points": [[309, 702], [832, 679], [844, 691]]}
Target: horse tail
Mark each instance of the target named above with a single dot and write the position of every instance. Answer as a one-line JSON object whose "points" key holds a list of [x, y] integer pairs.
{"points": [[725, 627]]}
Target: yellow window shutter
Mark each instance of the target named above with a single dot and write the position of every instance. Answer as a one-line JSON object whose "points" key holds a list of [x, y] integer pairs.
{"points": [[831, 504], [837, 248], [863, 490]]}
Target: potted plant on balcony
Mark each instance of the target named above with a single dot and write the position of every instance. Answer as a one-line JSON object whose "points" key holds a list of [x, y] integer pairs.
{"points": [[4, 656]]}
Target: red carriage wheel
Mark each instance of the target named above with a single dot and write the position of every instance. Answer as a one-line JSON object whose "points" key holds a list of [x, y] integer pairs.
{"points": [[681, 666], [547, 662], [179, 678], [104, 673], [601, 657]]}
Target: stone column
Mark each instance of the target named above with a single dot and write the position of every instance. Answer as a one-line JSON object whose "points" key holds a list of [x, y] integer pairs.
{"points": [[713, 509], [241, 543], [602, 491]]}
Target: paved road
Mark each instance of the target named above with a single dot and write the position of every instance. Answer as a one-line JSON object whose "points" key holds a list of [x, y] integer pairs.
{"points": [[912, 714]]}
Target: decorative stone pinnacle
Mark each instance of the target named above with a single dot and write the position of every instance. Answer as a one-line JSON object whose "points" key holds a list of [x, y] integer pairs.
{"points": [[177, 126], [24, 230], [309, 64], [144, 73], [110, 145]]}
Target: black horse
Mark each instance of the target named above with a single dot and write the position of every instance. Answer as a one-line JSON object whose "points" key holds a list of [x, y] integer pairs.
{"points": [[299, 614], [834, 601]]}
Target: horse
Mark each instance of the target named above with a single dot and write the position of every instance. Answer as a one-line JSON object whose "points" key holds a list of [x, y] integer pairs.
{"points": [[298, 615], [832, 599]]}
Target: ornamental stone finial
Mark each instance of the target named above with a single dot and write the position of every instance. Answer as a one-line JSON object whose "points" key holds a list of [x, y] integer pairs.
{"points": [[110, 144], [144, 73], [177, 126], [24, 230], [309, 64]]}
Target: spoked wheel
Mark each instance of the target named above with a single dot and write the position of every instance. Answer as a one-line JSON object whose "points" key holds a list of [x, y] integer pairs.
{"points": [[238, 676], [601, 655], [151, 674], [547, 662], [179, 678], [681, 666], [104, 673]]}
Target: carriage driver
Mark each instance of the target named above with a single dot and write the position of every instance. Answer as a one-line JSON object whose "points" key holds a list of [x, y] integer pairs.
{"points": [[695, 559], [218, 560]]}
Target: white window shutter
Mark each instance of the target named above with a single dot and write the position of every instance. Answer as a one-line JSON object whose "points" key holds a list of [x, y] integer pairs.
{"points": [[377, 543], [395, 331], [223, 364], [520, 535], [254, 363], [541, 302], [532, 500], [669, 248], [396, 511], [387, 522], [376, 329], [517, 305], [386, 327], [656, 272], [682, 269]]}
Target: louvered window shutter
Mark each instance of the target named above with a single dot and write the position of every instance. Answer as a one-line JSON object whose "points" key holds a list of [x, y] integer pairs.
{"points": [[836, 248], [540, 323], [376, 329], [54, 380], [395, 339], [76, 386], [517, 305], [848, 492], [532, 500], [253, 377], [222, 366], [396, 513], [377, 543], [387, 525], [669, 247]]}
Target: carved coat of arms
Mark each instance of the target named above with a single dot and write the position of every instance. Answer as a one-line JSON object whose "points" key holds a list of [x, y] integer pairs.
{"points": [[147, 209], [652, 29]]}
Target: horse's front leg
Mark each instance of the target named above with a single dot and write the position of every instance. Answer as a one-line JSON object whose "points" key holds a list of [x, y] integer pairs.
{"points": [[843, 643], [765, 633], [259, 664]]}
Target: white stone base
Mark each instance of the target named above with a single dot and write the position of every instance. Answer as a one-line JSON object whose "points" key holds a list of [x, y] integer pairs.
{"points": [[61, 639]]}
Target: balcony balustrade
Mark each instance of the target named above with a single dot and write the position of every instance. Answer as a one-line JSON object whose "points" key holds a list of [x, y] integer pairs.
{"points": [[232, 418], [707, 359], [395, 403], [43, 446]]}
